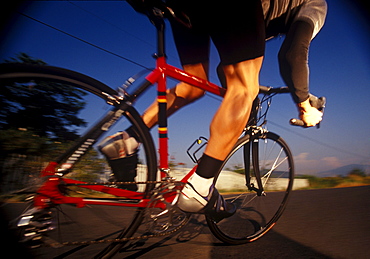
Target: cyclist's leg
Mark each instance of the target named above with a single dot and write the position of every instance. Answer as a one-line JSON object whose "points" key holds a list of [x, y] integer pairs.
{"points": [[123, 164], [239, 39], [226, 127], [240, 42], [233, 113], [120, 149]]}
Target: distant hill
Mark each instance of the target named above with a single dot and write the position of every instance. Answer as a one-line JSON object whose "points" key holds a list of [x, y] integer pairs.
{"points": [[344, 170]]}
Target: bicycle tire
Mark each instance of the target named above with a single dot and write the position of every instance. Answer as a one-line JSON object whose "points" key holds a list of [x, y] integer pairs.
{"points": [[256, 215], [13, 72]]}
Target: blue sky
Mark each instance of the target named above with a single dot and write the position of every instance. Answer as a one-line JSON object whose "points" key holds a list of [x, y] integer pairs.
{"points": [[339, 69]]}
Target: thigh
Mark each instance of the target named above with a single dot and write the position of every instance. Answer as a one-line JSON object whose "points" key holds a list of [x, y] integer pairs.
{"points": [[238, 31], [192, 45]]}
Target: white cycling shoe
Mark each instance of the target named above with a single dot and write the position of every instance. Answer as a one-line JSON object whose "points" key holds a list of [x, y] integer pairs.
{"points": [[119, 145], [213, 205]]}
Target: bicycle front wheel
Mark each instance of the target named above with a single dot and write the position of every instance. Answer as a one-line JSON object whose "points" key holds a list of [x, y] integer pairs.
{"points": [[44, 86], [257, 211]]}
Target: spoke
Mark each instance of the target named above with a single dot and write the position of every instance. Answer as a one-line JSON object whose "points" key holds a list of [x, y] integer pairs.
{"points": [[275, 164], [268, 174], [266, 152], [235, 198], [245, 201]]}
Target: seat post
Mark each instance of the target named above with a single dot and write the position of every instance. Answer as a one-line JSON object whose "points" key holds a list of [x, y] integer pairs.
{"points": [[161, 39], [157, 19]]}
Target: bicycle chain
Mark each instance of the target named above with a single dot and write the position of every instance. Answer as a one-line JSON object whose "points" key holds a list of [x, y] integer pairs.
{"points": [[52, 243], [119, 183], [116, 240]]}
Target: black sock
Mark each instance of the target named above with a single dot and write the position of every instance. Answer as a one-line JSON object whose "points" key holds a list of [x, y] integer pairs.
{"points": [[208, 166], [124, 170]]}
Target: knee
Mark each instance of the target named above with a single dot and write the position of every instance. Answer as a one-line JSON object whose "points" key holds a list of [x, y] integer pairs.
{"points": [[253, 92], [195, 94], [243, 94], [187, 92], [243, 78]]}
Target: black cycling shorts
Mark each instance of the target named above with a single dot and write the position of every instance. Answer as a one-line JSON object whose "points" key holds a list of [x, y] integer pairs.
{"points": [[236, 28]]}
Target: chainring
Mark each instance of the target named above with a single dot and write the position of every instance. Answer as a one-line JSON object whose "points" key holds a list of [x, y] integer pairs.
{"points": [[167, 217]]}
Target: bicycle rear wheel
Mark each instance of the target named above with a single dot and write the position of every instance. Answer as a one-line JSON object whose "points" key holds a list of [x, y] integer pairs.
{"points": [[105, 222], [256, 212]]}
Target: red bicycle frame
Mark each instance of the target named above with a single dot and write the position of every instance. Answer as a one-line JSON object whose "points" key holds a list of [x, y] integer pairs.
{"points": [[50, 191]]}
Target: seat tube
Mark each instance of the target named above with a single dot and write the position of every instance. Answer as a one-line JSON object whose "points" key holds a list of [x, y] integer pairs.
{"points": [[162, 116], [161, 64]]}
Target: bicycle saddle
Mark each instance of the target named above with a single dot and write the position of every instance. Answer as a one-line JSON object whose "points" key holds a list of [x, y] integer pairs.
{"points": [[160, 9]]}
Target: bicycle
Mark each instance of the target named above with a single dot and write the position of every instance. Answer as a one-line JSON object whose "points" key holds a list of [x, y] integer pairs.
{"points": [[260, 157]]}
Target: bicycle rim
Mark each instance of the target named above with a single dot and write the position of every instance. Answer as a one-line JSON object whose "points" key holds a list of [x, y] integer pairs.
{"points": [[256, 214], [104, 222]]}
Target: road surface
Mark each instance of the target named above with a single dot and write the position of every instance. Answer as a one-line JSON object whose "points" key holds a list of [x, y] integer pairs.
{"points": [[327, 223]]}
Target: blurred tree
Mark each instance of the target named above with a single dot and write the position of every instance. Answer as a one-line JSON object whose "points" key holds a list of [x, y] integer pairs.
{"points": [[38, 120], [47, 109], [357, 172], [90, 168]]}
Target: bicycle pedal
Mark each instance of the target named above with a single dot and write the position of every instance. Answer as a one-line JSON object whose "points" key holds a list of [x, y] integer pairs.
{"points": [[31, 239], [33, 224]]}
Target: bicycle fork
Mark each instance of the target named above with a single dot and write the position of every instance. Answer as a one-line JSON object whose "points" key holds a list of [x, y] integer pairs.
{"points": [[252, 147]]}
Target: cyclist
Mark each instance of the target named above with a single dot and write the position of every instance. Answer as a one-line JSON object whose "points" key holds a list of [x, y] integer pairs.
{"points": [[300, 21], [238, 33]]}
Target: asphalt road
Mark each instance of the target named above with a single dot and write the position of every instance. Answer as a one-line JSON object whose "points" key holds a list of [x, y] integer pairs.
{"points": [[328, 223]]}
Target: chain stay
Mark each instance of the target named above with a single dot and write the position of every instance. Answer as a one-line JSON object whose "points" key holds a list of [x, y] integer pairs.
{"points": [[52, 243]]}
